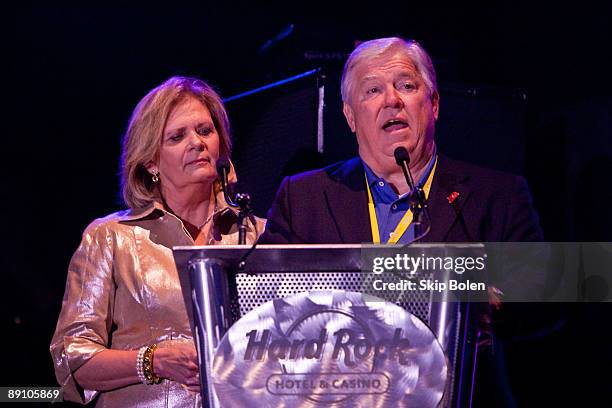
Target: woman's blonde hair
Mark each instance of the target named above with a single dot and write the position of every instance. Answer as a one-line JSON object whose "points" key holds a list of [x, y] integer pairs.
{"points": [[142, 140]]}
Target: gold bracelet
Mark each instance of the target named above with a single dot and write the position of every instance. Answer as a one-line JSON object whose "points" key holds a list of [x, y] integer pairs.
{"points": [[147, 366]]}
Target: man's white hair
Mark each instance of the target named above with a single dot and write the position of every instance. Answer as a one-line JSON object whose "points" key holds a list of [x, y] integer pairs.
{"points": [[388, 46]]}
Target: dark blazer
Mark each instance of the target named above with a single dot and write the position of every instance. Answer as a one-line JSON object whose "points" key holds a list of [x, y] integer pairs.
{"points": [[329, 205]]}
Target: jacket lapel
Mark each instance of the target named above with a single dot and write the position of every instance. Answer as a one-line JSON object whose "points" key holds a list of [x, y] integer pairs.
{"points": [[448, 185], [347, 202]]}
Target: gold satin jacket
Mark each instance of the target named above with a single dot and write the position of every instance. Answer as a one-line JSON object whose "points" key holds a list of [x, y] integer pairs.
{"points": [[123, 292]]}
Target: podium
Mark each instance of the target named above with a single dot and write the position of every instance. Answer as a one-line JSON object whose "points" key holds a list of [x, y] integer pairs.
{"points": [[221, 284]]}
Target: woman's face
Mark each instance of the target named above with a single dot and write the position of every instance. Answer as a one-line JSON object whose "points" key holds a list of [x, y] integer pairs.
{"points": [[189, 149]]}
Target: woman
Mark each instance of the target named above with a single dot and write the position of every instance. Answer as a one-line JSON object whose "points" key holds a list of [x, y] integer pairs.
{"points": [[123, 307]]}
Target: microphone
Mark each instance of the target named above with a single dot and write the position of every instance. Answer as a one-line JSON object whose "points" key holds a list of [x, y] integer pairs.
{"points": [[416, 199], [223, 169], [401, 154], [402, 158]]}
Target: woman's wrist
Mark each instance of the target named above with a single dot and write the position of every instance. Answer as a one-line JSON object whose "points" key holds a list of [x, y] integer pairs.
{"points": [[159, 362]]}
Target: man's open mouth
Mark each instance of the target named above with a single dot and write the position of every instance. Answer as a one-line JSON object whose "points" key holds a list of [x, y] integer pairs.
{"points": [[394, 124]]}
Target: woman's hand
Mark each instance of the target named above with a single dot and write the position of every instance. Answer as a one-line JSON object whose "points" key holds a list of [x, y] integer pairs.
{"points": [[178, 363]]}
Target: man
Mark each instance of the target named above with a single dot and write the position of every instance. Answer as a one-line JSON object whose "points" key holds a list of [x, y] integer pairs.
{"points": [[391, 99]]}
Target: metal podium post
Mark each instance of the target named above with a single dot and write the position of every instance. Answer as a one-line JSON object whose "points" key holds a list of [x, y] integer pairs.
{"points": [[210, 296]]}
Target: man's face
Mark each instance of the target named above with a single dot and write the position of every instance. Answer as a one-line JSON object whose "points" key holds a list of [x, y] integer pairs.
{"points": [[390, 106]]}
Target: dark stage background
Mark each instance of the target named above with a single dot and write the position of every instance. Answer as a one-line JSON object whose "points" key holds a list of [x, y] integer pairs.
{"points": [[525, 87]]}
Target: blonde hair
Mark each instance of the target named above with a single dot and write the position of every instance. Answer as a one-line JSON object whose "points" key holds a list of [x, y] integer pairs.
{"points": [[386, 46], [142, 140]]}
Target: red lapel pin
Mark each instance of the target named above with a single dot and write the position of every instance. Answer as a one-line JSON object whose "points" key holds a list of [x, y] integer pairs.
{"points": [[452, 197]]}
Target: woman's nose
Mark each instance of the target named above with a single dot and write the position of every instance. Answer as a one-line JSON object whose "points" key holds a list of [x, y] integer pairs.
{"points": [[196, 141]]}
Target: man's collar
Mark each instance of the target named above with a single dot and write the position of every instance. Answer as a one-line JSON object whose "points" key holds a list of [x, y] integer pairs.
{"points": [[429, 167], [370, 175], [373, 178]]}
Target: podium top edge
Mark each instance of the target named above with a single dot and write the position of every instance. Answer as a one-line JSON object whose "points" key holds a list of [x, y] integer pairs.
{"points": [[327, 246]]}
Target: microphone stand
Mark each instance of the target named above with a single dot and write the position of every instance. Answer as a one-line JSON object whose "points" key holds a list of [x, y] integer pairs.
{"points": [[244, 204], [416, 198], [418, 205], [242, 201]]}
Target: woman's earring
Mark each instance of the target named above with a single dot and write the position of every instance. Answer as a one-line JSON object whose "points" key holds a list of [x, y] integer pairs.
{"points": [[155, 177]]}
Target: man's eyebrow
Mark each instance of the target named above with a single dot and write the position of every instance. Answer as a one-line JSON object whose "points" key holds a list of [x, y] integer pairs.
{"points": [[404, 74], [408, 74], [368, 78]]}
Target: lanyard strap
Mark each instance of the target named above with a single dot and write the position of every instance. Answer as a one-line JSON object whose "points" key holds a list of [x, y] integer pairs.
{"points": [[406, 220]]}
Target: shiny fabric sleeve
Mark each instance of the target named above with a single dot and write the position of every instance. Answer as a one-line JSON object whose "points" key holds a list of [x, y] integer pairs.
{"points": [[85, 320]]}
